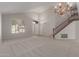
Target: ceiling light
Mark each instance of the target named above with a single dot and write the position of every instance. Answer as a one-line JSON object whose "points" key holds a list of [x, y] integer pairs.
{"points": [[62, 8]]}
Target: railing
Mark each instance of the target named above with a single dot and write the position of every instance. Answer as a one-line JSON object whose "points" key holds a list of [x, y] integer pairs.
{"points": [[60, 27]]}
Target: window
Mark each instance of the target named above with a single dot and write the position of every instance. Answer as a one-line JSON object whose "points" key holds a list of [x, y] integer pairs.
{"points": [[17, 26]]}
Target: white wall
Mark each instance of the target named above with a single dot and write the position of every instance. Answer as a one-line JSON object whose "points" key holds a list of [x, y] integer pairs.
{"points": [[78, 6], [61, 18], [77, 30], [6, 26], [77, 24], [47, 27], [0, 29]]}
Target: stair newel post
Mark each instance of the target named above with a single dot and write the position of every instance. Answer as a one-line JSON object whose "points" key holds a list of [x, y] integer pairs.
{"points": [[53, 34]]}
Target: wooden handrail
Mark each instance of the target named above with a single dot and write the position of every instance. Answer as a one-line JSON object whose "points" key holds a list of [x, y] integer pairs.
{"points": [[62, 28], [65, 23], [61, 24], [66, 20]]}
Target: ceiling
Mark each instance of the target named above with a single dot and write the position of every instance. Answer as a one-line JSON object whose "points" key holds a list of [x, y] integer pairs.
{"points": [[16, 7]]}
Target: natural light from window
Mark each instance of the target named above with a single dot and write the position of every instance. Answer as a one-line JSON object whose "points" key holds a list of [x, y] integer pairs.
{"points": [[17, 27]]}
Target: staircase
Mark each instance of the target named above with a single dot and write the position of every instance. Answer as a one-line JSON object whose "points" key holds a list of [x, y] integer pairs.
{"points": [[73, 17]]}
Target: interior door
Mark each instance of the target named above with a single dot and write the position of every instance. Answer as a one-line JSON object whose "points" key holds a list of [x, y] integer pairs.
{"points": [[35, 29]]}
